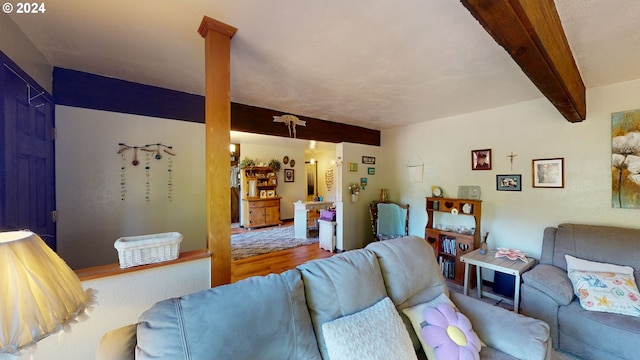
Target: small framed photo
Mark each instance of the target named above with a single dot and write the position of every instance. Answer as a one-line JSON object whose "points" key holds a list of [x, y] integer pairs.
{"points": [[481, 159], [271, 193], [363, 182], [288, 175], [263, 194], [548, 173], [353, 167], [509, 182], [371, 171], [368, 160]]}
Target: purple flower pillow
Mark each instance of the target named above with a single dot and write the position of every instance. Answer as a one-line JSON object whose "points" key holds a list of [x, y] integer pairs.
{"points": [[445, 333]]}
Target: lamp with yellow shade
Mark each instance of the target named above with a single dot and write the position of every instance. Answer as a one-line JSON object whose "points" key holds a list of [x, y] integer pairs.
{"points": [[40, 295]]}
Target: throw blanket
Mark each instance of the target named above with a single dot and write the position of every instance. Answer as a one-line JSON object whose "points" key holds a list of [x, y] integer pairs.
{"points": [[391, 220]]}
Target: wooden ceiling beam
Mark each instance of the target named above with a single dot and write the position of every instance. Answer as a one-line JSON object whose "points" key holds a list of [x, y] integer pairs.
{"points": [[531, 32]]}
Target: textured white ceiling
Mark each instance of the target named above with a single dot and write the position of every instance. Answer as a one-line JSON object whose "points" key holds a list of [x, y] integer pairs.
{"points": [[375, 63]]}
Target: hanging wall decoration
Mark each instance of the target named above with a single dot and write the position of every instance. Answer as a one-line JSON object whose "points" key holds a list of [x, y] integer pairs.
{"points": [[625, 159], [170, 178], [147, 176], [290, 121], [415, 167], [151, 150], [328, 178], [123, 177]]}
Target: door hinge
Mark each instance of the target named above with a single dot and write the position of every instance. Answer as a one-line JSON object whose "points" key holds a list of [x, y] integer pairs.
{"points": [[54, 133], [54, 216]]}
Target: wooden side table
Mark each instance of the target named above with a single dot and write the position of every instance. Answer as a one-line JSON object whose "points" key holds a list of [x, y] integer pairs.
{"points": [[501, 264]]}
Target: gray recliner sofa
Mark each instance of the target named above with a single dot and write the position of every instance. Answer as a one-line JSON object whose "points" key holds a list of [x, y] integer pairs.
{"points": [[280, 316], [547, 292]]}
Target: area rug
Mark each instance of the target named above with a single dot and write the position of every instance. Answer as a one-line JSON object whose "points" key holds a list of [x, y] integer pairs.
{"points": [[258, 242]]}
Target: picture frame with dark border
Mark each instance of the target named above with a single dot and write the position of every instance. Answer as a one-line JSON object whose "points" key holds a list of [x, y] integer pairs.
{"points": [[481, 159], [547, 173], [371, 171], [289, 175], [509, 182], [368, 160]]}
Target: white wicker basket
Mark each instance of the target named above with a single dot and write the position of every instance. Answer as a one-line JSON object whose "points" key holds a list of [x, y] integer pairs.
{"points": [[148, 249]]}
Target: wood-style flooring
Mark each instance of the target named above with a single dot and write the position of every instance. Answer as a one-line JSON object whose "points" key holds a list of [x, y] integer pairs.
{"points": [[275, 262]]}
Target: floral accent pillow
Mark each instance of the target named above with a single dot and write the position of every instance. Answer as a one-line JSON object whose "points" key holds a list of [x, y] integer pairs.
{"points": [[606, 291], [444, 332]]}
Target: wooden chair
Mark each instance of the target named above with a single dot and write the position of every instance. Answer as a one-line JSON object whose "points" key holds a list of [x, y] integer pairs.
{"points": [[395, 219]]}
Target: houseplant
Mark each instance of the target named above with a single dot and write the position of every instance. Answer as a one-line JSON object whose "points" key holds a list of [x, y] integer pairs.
{"points": [[246, 162], [275, 165]]}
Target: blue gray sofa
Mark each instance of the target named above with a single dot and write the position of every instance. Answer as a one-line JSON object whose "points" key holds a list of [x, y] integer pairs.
{"points": [[280, 316], [547, 292]]}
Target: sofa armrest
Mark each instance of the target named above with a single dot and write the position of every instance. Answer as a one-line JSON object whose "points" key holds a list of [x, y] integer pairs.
{"points": [[514, 334], [118, 344], [552, 281]]}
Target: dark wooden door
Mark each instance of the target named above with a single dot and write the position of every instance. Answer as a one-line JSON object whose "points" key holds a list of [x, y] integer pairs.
{"points": [[28, 188]]}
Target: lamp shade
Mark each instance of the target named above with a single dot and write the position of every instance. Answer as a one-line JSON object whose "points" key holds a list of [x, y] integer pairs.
{"points": [[40, 295]]}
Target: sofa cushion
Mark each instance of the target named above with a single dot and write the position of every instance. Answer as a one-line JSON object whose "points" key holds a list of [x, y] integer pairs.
{"points": [[375, 333], [256, 318], [341, 285], [411, 274], [552, 281], [523, 338], [612, 334], [118, 344], [410, 271], [606, 244]]}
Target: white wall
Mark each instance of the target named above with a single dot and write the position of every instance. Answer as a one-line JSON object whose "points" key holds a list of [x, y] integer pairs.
{"points": [[88, 173], [17, 46], [121, 300], [532, 130], [354, 226]]}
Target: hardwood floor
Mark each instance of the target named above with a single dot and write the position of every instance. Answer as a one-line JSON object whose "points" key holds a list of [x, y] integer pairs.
{"points": [[275, 262]]}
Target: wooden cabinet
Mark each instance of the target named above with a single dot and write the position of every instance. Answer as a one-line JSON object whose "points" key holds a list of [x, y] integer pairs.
{"points": [[260, 200], [450, 241], [263, 212]]}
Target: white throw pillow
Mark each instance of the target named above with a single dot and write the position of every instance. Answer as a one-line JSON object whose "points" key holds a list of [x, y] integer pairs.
{"points": [[454, 328], [604, 287], [375, 333], [574, 263]]}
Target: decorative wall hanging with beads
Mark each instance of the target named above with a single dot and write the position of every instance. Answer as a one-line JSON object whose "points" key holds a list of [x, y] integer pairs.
{"points": [[328, 178], [157, 151]]}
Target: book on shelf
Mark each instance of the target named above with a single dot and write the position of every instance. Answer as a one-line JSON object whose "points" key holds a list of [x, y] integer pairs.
{"points": [[447, 267], [449, 245]]}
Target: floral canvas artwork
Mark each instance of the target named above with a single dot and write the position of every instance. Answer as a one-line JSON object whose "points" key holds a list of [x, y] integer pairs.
{"points": [[625, 159]]}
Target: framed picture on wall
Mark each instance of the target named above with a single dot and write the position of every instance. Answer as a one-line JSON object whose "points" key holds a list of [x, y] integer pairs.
{"points": [[353, 167], [368, 160], [288, 175], [548, 173], [371, 171], [509, 182], [481, 159]]}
